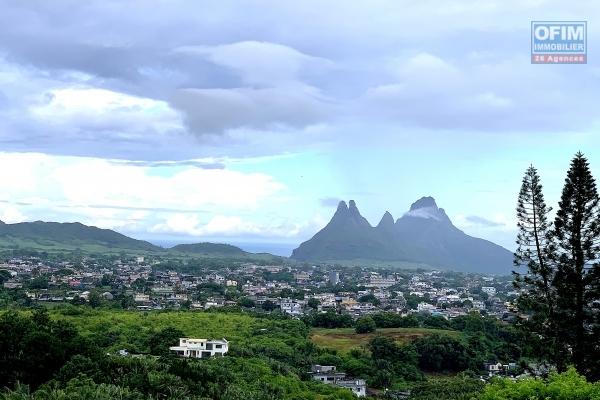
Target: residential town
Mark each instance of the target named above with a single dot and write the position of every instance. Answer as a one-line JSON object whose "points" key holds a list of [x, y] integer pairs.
{"points": [[295, 289]]}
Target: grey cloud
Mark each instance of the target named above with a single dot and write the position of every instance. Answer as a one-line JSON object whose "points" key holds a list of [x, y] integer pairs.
{"points": [[261, 63], [480, 94], [477, 220], [278, 68], [218, 110]]}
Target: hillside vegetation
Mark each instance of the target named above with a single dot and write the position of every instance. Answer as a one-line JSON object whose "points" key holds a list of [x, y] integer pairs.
{"points": [[65, 238], [346, 339]]}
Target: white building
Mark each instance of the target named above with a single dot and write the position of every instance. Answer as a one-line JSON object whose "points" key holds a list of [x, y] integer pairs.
{"points": [[358, 386], [490, 290], [292, 307], [334, 278], [478, 304], [328, 374], [380, 282], [426, 307], [201, 348], [141, 298]]}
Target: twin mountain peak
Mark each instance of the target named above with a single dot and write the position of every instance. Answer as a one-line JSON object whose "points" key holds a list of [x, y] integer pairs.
{"points": [[422, 236], [425, 207]]}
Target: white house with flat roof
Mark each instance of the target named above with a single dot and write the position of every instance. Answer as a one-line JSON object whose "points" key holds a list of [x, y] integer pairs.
{"points": [[358, 386], [329, 375], [201, 348]]}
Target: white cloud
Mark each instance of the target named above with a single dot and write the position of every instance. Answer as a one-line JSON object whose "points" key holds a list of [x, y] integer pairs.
{"points": [[216, 226], [115, 195], [235, 226], [92, 109], [427, 71], [497, 221], [10, 215]]}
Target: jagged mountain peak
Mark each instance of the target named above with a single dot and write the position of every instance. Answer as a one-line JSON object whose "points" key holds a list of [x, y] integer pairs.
{"points": [[387, 221], [348, 215], [342, 206], [341, 212], [427, 208], [353, 209], [424, 202], [423, 236]]}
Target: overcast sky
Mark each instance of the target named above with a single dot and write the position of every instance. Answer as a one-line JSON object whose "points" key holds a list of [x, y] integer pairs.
{"points": [[247, 122]]}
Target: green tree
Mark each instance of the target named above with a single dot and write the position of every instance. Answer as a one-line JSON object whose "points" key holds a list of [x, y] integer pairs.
{"points": [[577, 240], [4, 276], [107, 280], [160, 341], [268, 305], [246, 302], [77, 300], [127, 302], [140, 284], [33, 349], [460, 387], [534, 255], [442, 353], [388, 356], [313, 303], [567, 385], [40, 282], [369, 298], [329, 319], [94, 299], [365, 325]]}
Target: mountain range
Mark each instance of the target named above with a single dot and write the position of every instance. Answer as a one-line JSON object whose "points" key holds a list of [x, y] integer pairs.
{"points": [[424, 236], [56, 237]]}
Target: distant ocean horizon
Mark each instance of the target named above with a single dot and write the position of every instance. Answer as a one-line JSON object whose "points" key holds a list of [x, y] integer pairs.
{"points": [[278, 249]]}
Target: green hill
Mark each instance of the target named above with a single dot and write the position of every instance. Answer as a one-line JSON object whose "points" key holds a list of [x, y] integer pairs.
{"points": [[51, 236], [210, 248], [60, 237]]}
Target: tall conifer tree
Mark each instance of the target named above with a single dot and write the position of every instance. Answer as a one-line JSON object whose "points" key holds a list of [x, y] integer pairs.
{"points": [[535, 269], [577, 240]]}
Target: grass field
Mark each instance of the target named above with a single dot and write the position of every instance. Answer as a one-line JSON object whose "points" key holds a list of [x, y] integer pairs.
{"points": [[194, 324], [345, 339]]}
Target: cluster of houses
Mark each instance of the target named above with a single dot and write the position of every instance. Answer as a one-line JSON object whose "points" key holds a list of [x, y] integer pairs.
{"points": [[291, 289]]}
